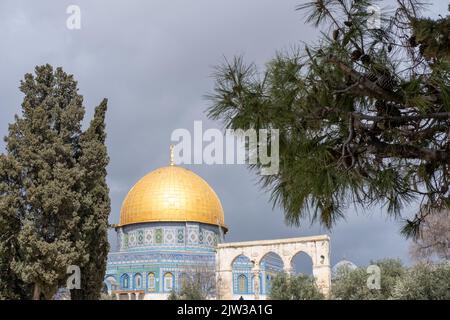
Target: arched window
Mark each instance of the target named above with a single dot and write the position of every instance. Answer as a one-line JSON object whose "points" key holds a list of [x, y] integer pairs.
{"points": [[138, 281], [242, 283], [125, 281], [151, 281], [168, 281]]}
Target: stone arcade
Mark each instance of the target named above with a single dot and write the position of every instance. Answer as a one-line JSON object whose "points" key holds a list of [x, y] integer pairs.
{"points": [[316, 247]]}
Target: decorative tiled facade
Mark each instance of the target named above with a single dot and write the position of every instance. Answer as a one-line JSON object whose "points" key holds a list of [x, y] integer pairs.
{"points": [[171, 234], [151, 257]]}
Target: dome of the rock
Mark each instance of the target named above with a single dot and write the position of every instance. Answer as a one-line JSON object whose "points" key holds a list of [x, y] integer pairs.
{"points": [[172, 193]]}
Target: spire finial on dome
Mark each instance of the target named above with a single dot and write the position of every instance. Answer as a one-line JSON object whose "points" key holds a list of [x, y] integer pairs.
{"points": [[171, 155]]}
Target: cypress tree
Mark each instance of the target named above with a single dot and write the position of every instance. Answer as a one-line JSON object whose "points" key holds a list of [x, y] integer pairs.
{"points": [[47, 187], [95, 206], [11, 287], [43, 143]]}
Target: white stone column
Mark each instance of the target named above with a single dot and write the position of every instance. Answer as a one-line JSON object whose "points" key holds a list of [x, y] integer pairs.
{"points": [[224, 274], [322, 268], [288, 270], [323, 279], [137, 295], [256, 274], [287, 265], [225, 284], [129, 296]]}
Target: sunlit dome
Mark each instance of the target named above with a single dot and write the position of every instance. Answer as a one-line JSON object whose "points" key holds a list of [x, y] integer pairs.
{"points": [[172, 193], [343, 265]]}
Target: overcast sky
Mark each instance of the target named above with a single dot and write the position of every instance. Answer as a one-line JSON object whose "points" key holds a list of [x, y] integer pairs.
{"points": [[153, 60]]}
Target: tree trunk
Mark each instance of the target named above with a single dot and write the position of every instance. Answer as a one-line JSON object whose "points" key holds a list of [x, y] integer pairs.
{"points": [[36, 292]]}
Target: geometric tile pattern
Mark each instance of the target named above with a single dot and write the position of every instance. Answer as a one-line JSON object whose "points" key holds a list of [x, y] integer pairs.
{"points": [[191, 235]]}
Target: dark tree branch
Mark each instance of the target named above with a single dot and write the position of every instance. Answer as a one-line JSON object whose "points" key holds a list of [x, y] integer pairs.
{"points": [[404, 119], [386, 150]]}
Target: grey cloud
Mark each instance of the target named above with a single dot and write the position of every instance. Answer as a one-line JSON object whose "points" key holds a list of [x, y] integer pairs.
{"points": [[153, 61]]}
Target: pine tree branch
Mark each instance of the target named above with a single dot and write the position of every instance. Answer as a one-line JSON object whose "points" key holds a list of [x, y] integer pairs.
{"points": [[364, 83], [386, 150], [371, 89], [403, 119]]}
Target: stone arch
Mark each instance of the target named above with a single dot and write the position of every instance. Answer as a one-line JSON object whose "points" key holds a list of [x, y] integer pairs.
{"points": [[238, 256], [307, 259], [270, 264], [111, 279], [111, 283], [268, 253]]}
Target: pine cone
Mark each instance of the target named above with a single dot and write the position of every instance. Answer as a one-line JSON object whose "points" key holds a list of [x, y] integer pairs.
{"points": [[380, 105], [348, 23], [335, 34], [372, 76], [386, 82], [392, 110], [412, 41], [365, 59], [422, 48], [356, 54]]}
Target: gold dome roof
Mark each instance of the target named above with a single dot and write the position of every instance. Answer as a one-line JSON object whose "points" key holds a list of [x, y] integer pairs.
{"points": [[172, 194]]}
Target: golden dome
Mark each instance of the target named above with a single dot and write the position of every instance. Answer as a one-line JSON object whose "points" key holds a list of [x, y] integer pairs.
{"points": [[172, 194]]}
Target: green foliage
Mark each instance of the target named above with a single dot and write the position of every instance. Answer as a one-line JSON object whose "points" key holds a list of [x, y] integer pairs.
{"points": [[196, 284], [95, 206], [433, 37], [301, 287], [11, 286], [173, 295], [434, 242], [424, 282], [352, 284], [54, 201], [192, 291], [363, 114], [420, 282], [105, 296]]}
